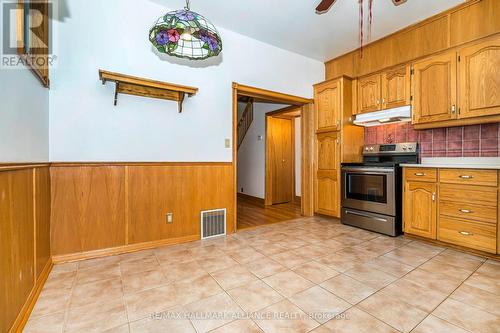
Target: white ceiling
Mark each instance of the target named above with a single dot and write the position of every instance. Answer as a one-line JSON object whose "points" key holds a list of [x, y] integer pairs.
{"points": [[293, 25]]}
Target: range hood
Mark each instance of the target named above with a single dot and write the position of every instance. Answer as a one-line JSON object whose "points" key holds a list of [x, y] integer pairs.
{"points": [[390, 116]]}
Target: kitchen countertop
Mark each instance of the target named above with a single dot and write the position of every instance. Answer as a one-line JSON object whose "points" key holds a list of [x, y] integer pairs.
{"points": [[457, 163]]}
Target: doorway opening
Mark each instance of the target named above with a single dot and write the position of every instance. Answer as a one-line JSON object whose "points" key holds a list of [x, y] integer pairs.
{"points": [[272, 153]]}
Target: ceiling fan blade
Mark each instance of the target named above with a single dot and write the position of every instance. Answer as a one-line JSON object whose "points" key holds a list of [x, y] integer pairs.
{"points": [[324, 6], [398, 2]]}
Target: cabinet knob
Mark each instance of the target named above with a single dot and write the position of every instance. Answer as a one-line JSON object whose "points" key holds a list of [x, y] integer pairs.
{"points": [[434, 196], [453, 108]]}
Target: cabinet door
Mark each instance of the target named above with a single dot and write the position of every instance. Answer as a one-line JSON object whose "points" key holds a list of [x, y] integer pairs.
{"points": [[479, 76], [327, 198], [420, 209], [369, 94], [328, 106], [435, 89], [396, 86]]}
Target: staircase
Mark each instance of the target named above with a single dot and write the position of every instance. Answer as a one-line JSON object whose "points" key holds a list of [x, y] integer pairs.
{"points": [[245, 122]]}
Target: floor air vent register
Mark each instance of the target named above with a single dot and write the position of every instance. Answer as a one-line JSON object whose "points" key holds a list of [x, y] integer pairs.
{"points": [[213, 223]]}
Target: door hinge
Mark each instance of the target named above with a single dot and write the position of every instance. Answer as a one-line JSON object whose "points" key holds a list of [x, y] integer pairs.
{"points": [[459, 58], [411, 98], [412, 71]]}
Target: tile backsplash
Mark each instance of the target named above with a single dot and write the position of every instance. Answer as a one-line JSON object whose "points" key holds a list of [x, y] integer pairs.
{"points": [[464, 141]]}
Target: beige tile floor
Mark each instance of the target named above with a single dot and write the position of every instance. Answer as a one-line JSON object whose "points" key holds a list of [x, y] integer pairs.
{"points": [[306, 275]]}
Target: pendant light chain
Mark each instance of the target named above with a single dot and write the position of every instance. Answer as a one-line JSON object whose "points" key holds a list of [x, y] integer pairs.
{"points": [[361, 20], [188, 5], [370, 19]]}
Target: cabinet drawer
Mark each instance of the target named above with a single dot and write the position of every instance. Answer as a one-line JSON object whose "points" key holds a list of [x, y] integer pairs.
{"points": [[487, 214], [474, 235], [421, 174], [475, 195], [469, 176]]}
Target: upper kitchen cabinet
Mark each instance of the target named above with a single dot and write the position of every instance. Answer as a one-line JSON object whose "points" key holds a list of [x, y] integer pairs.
{"points": [[386, 90], [479, 76], [328, 100], [369, 93], [396, 88], [434, 89]]}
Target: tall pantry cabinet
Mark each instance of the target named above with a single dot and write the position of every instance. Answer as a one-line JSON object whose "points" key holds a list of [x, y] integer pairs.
{"points": [[337, 141]]}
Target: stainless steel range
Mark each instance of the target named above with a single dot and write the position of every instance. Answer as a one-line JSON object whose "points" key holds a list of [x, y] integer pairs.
{"points": [[372, 190]]}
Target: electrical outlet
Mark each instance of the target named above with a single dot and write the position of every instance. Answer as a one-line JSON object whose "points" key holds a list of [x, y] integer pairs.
{"points": [[242, 190], [170, 218], [228, 143]]}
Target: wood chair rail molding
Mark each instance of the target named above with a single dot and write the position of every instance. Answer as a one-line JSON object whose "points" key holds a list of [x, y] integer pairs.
{"points": [[79, 164], [465, 23], [108, 208], [271, 96]]}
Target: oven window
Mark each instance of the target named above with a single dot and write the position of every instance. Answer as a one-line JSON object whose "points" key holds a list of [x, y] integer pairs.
{"points": [[366, 187]]}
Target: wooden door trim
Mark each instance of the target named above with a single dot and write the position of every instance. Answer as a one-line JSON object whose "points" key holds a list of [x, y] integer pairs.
{"points": [[307, 105], [268, 196], [269, 95]]}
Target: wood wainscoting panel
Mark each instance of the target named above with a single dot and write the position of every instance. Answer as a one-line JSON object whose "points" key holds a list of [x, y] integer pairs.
{"points": [[185, 191], [88, 208], [42, 218], [16, 244], [107, 208]]}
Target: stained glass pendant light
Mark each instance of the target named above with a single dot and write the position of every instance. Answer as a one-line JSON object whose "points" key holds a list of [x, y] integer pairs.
{"points": [[186, 34]]}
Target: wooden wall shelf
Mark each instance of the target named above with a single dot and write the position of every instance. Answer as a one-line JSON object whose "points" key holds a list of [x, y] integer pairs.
{"points": [[131, 85]]}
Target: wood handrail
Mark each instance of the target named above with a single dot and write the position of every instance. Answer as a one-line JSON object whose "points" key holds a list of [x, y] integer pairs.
{"points": [[245, 122]]}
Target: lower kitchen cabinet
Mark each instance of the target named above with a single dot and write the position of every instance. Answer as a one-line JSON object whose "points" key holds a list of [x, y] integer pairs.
{"points": [[420, 209], [468, 233], [456, 206]]}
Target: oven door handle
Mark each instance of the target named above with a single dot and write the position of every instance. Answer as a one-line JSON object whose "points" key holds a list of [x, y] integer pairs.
{"points": [[366, 215], [369, 170]]}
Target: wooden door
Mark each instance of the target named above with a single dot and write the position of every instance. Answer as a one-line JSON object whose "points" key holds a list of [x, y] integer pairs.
{"points": [[328, 106], [369, 94], [434, 89], [396, 86], [420, 209], [479, 76], [280, 161], [327, 180]]}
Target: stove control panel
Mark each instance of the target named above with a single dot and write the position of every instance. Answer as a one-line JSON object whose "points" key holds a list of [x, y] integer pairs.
{"points": [[390, 149]]}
